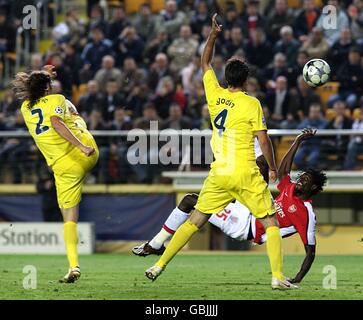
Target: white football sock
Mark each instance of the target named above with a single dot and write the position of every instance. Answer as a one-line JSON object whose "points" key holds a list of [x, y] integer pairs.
{"points": [[175, 219]]}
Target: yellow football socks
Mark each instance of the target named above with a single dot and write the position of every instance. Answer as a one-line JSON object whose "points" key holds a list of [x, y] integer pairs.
{"points": [[274, 251], [178, 241], [71, 241]]}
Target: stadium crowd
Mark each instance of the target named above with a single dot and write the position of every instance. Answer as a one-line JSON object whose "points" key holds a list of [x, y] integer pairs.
{"points": [[121, 71]]}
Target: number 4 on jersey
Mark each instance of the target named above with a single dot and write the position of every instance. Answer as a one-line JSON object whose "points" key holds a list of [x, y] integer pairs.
{"points": [[39, 128], [220, 120]]}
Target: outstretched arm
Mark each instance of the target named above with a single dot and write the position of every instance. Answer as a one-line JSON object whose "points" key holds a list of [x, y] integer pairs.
{"points": [[305, 267], [209, 47], [286, 162]]}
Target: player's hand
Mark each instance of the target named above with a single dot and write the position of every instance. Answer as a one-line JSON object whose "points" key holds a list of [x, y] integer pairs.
{"points": [[88, 151], [216, 28], [307, 133], [50, 69], [273, 175]]}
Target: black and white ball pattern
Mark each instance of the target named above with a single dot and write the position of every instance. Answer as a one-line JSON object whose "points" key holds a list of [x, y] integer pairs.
{"points": [[316, 72]]}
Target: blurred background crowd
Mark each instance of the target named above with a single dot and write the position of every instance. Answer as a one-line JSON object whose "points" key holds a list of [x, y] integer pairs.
{"points": [[123, 70]]}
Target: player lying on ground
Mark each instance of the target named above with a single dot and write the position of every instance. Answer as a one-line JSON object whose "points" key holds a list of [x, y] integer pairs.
{"points": [[68, 147], [295, 213], [236, 119]]}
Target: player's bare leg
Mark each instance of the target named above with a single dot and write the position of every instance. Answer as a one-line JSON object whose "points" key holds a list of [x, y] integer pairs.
{"points": [[274, 252], [178, 241], [70, 217]]}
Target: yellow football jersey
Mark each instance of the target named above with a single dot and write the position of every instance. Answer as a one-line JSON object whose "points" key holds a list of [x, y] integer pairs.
{"points": [[235, 118], [37, 119]]}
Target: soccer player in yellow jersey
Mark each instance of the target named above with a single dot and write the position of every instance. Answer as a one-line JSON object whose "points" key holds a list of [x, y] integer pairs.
{"points": [[236, 119], [68, 147]]}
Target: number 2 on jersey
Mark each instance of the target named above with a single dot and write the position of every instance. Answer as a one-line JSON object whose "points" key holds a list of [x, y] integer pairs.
{"points": [[220, 120], [40, 128]]}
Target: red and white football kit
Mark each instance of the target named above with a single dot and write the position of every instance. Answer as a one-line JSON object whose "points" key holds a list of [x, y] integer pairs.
{"points": [[294, 215]]}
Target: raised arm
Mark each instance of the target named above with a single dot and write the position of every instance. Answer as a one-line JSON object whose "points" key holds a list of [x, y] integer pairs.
{"points": [[64, 132], [286, 162], [306, 265], [268, 152], [209, 47]]}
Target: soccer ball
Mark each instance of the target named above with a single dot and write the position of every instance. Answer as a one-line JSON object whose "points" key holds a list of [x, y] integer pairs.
{"points": [[316, 72]]}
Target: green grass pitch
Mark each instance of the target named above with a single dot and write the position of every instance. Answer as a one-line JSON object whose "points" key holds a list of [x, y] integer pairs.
{"points": [[190, 276]]}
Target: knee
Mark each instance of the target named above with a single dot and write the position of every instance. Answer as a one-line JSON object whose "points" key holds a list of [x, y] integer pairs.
{"points": [[188, 202]]}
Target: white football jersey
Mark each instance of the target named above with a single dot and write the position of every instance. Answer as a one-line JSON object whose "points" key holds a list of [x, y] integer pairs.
{"points": [[258, 151]]}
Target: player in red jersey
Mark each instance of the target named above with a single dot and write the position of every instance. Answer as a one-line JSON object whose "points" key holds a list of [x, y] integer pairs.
{"points": [[294, 212]]}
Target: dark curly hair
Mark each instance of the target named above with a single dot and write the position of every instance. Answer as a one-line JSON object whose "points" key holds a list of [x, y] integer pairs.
{"points": [[31, 86], [236, 72], [319, 179]]}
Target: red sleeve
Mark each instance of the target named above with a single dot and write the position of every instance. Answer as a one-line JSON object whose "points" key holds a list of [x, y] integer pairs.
{"points": [[284, 182]]}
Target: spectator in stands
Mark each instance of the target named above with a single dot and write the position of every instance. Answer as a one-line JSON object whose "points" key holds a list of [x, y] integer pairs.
{"points": [[316, 45], [145, 22], [350, 77], [97, 19], [95, 50], [281, 15], [64, 74], [72, 59], [296, 70], [236, 42], [128, 44], [149, 114], [338, 53], [251, 19], [108, 72], [111, 99], [36, 62], [182, 49], [303, 97], [71, 30], [9, 103], [219, 67], [165, 95], [204, 121], [332, 34], [191, 74], [196, 101], [200, 18], [271, 123], [132, 76], [278, 69], [158, 44], [310, 152], [287, 45], [15, 152], [170, 19], [338, 144], [7, 34], [258, 49], [278, 100], [115, 148], [91, 100], [355, 12], [355, 146], [176, 120], [158, 70], [305, 20], [118, 22], [231, 18], [253, 89]]}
